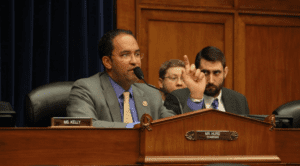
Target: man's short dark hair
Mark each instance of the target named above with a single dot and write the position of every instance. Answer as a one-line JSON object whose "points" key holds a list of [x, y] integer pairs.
{"points": [[210, 53], [170, 63], [105, 46]]}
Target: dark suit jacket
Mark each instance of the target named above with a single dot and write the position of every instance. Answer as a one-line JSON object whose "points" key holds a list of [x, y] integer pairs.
{"points": [[234, 102], [95, 97]]}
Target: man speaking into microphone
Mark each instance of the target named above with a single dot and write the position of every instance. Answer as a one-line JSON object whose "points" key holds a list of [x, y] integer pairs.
{"points": [[112, 98]]}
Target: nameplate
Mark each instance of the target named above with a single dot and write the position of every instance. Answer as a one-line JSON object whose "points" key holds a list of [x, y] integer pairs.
{"points": [[211, 135], [71, 121]]}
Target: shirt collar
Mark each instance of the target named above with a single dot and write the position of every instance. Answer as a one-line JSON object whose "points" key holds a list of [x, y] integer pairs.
{"points": [[208, 99], [118, 89]]}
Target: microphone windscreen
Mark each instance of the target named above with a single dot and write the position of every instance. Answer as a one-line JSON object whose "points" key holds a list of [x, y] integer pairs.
{"points": [[138, 72]]}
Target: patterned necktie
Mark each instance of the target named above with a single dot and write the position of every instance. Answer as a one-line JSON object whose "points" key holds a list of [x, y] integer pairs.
{"points": [[127, 118], [215, 104]]}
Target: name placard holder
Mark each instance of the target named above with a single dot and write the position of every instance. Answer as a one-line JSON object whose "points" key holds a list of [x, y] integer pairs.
{"points": [[71, 122], [211, 135]]}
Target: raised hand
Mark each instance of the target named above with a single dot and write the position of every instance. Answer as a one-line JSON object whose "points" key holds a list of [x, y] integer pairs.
{"points": [[194, 79]]}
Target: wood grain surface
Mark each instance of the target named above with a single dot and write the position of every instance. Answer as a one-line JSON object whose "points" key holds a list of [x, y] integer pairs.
{"points": [[259, 40], [65, 146]]}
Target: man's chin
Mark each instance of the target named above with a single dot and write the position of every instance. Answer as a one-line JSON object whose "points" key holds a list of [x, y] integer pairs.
{"points": [[133, 79], [211, 93]]}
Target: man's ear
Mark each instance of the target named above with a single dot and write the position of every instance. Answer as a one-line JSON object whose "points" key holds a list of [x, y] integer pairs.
{"points": [[225, 71], [107, 62], [160, 83]]}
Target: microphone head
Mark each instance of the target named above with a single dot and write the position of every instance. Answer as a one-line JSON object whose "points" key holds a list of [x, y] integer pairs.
{"points": [[138, 72]]}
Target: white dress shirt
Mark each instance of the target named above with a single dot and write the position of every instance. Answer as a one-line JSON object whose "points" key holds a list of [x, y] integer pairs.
{"points": [[208, 101]]}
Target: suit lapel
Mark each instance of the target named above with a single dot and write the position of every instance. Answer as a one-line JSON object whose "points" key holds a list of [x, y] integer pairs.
{"points": [[141, 102], [111, 98], [183, 96], [227, 101]]}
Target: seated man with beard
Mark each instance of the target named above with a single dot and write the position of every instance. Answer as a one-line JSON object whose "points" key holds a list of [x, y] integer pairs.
{"points": [[211, 61]]}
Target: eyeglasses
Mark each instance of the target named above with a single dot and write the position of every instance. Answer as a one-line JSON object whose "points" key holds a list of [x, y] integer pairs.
{"points": [[127, 56], [174, 79]]}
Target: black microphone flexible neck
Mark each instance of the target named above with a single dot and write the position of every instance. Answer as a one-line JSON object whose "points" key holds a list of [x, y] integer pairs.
{"points": [[171, 102], [155, 87], [139, 74]]}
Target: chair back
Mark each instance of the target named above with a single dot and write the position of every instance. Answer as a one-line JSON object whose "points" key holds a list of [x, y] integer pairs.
{"points": [[291, 109], [7, 115], [46, 101]]}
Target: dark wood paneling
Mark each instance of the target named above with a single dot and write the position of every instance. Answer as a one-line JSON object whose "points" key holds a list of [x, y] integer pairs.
{"points": [[269, 58], [44, 146], [126, 15], [272, 63], [166, 35], [288, 145], [165, 43], [247, 143], [171, 28], [249, 164], [193, 3], [275, 5]]}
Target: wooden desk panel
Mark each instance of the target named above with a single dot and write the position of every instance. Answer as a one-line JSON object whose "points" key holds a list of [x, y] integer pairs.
{"points": [[46, 146], [288, 145]]}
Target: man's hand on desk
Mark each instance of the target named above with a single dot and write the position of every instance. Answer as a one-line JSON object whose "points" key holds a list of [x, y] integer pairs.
{"points": [[131, 125]]}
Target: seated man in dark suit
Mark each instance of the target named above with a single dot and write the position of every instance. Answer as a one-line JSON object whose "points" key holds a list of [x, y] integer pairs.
{"points": [[211, 61]]}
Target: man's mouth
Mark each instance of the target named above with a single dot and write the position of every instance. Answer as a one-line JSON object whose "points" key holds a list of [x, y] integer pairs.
{"points": [[131, 69], [210, 87]]}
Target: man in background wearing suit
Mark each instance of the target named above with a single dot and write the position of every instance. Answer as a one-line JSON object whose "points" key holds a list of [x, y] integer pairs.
{"points": [[211, 61], [170, 78], [101, 96]]}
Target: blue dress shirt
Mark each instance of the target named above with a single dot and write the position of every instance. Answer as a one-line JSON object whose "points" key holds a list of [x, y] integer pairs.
{"points": [[195, 106], [119, 92]]}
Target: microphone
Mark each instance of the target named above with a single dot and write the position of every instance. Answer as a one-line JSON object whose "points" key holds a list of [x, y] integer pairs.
{"points": [[171, 102]]}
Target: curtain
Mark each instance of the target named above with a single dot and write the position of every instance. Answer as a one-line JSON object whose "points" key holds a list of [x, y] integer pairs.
{"points": [[44, 41]]}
